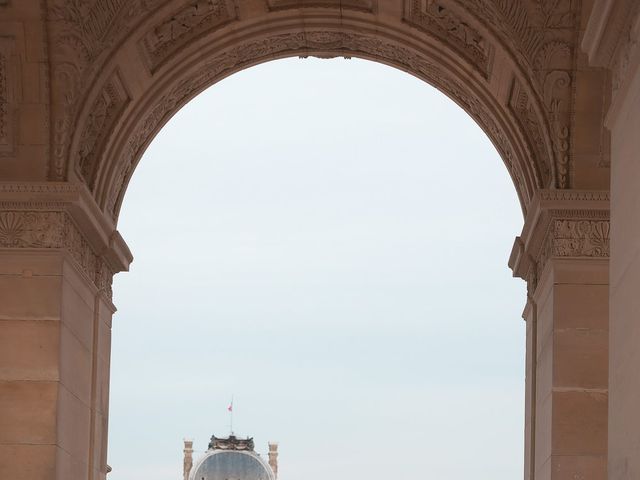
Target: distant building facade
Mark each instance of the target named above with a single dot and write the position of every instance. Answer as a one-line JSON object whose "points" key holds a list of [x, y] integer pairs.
{"points": [[230, 458]]}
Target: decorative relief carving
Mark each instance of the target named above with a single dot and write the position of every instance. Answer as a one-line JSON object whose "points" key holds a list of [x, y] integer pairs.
{"points": [[54, 230], [82, 32], [7, 97], [627, 50], [541, 36], [184, 25], [557, 94], [339, 43], [432, 17], [523, 110], [104, 113], [363, 5], [30, 229], [574, 238], [562, 224], [580, 238]]}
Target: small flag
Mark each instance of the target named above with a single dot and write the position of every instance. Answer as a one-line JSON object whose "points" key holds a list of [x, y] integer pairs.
{"points": [[230, 407]]}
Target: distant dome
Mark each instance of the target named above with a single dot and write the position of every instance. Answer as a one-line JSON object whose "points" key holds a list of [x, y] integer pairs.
{"points": [[232, 465]]}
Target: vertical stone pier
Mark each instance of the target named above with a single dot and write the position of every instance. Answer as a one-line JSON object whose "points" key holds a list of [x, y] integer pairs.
{"points": [[58, 255], [563, 254]]}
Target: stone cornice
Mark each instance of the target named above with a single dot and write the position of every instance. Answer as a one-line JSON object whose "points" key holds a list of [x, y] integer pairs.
{"points": [[611, 41], [63, 216], [561, 224], [604, 30]]}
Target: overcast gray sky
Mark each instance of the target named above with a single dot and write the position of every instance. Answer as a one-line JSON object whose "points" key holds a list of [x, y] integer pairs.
{"points": [[326, 240]]}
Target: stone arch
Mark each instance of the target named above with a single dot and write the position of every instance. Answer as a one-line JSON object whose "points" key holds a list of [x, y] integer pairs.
{"points": [[86, 84], [510, 74]]}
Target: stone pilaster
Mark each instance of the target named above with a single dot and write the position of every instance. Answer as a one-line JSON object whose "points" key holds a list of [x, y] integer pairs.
{"points": [[563, 254], [612, 41], [58, 254]]}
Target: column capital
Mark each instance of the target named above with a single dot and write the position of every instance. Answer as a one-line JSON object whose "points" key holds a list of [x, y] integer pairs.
{"points": [[63, 216], [568, 224]]}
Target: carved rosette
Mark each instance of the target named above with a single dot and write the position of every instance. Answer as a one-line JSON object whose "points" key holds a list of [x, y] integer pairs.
{"points": [[48, 217], [563, 225]]}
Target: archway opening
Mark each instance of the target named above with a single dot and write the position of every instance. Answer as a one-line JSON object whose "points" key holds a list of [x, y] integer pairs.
{"points": [[328, 241]]}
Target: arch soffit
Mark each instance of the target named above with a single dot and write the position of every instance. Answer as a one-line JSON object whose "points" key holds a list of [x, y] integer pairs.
{"points": [[521, 97]]}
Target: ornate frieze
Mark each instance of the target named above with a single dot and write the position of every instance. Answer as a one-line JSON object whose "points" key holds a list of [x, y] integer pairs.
{"points": [[103, 115], [361, 5], [62, 216], [54, 230], [339, 43], [434, 18], [563, 224], [8, 100], [183, 25]]}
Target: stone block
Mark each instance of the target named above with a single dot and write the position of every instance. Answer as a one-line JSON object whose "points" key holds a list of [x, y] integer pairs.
{"points": [[29, 298], [29, 349], [28, 412], [28, 462], [579, 423]]}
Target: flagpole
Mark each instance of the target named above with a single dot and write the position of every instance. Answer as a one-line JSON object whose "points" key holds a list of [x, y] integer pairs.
{"points": [[231, 415]]}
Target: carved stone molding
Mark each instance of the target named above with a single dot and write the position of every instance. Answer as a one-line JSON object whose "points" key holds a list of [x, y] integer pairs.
{"points": [[541, 36], [62, 216], [434, 18], [182, 26], [562, 224], [611, 40], [361, 5], [304, 43], [8, 100], [523, 110], [82, 33], [608, 22], [103, 115]]}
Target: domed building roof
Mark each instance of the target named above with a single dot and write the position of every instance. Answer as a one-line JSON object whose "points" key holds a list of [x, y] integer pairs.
{"points": [[231, 459]]}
